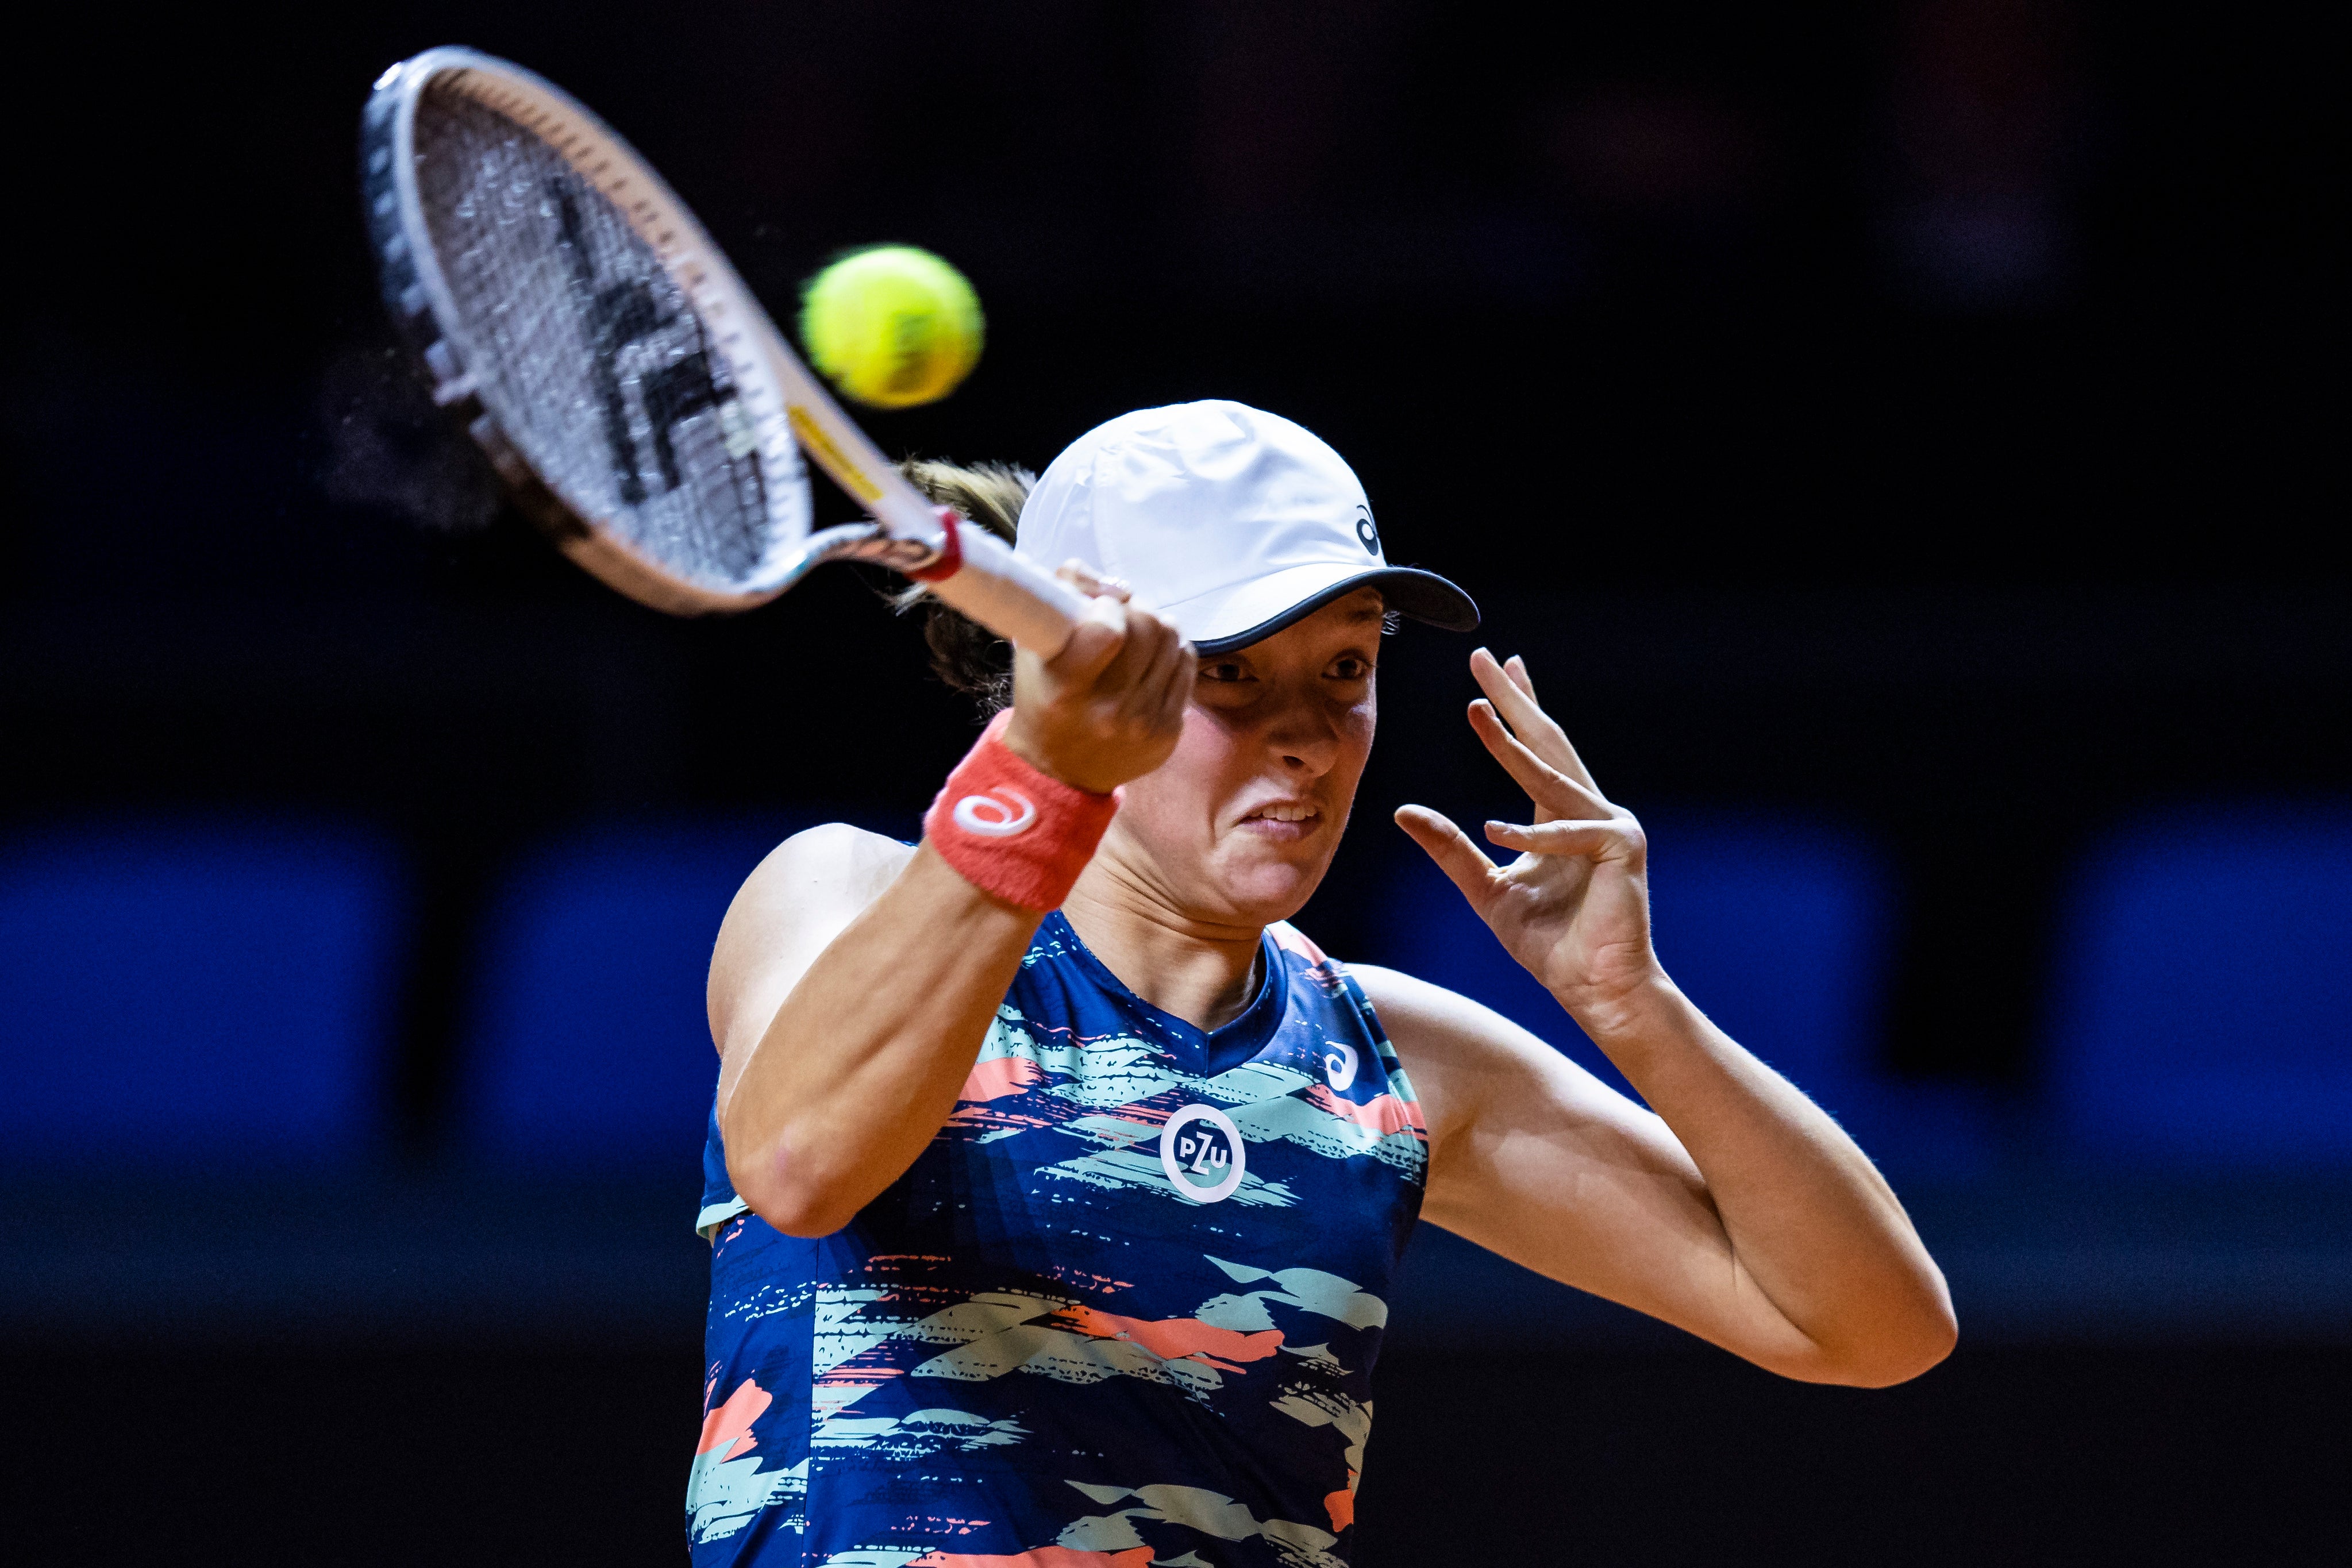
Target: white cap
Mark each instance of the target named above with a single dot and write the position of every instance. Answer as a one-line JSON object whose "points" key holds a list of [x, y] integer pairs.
{"points": [[1231, 521]]}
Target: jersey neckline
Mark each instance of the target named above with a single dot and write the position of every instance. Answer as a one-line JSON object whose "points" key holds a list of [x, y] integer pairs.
{"points": [[1245, 1034]]}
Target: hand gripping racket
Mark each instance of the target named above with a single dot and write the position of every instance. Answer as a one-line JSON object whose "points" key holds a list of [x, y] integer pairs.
{"points": [[576, 319]]}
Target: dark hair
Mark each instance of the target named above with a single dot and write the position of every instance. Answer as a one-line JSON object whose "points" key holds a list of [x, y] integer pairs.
{"points": [[964, 655]]}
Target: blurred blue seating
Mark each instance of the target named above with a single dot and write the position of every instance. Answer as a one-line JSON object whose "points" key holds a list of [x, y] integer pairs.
{"points": [[588, 1043], [195, 994], [1780, 930], [2203, 996]]}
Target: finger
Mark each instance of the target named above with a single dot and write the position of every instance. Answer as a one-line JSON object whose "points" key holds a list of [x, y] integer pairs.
{"points": [[1606, 840], [1162, 650], [1098, 637], [1465, 866], [1554, 793], [1514, 698], [1512, 691], [1092, 583], [1179, 694]]}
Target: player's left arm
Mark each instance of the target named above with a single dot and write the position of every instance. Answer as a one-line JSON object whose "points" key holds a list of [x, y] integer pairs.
{"points": [[1739, 1210]]}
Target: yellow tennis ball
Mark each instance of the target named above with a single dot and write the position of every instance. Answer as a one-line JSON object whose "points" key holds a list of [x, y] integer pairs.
{"points": [[891, 327]]}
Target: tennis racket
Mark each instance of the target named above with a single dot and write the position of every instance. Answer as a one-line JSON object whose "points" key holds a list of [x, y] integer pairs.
{"points": [[573, 317]]}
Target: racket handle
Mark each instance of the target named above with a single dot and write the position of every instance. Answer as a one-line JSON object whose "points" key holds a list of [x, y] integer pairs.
{"points": [[1010, 594]]}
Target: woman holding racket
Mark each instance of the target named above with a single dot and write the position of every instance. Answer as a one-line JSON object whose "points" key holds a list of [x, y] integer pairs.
{"points": [[1056, 1184]]}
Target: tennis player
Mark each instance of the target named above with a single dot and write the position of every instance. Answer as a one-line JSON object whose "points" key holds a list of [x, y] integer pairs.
{"points": [[1056, 1184]]}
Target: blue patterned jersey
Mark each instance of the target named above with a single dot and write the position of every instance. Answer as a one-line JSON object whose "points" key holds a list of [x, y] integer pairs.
{"points": [[1121, 1311]]}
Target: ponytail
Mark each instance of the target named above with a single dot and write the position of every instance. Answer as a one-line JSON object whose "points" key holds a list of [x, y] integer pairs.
{"points": [[965, 654]]}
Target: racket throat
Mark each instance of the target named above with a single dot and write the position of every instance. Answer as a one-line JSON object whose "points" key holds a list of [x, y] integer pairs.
{"points": [[868, 542]]}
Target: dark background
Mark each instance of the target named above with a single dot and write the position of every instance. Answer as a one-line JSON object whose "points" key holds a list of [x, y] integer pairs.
{"points": [[1910, 416]]}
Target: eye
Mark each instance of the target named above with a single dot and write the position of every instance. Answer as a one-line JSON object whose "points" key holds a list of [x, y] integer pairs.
{"points": [[1351, 667], [1225, 671]]}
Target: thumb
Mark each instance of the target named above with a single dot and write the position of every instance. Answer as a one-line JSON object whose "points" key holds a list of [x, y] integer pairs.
{"points": [[1463, 862]]}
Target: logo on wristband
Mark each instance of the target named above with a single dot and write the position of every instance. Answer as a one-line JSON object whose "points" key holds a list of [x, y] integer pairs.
{"points": [[1200, 1150], [998, 813]]}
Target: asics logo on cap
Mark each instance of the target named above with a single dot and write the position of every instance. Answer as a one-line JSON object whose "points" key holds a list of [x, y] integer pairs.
{"points": [[996, 813], [1366, 532]]}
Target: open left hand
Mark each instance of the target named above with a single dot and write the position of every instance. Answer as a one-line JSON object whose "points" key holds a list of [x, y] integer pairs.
{"points": [[1574, 907]]}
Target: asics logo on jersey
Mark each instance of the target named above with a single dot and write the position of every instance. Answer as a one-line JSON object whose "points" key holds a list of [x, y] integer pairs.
{"points": [[997, 813], [1201, 1151], [1340, 1065]]}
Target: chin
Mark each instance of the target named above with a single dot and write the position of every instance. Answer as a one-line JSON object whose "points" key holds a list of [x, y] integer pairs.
{"points": [[1262, 888]]}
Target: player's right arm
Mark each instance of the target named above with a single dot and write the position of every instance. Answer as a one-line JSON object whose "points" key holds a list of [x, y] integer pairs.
{"points": [[853, 979]]}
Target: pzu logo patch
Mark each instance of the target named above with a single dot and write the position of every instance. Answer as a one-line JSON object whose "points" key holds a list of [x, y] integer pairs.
{"points": [[1201, 1151], [1365, 531]]}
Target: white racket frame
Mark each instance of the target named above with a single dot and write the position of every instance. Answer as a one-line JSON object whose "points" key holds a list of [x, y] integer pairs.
{"points": [[791, 413]]}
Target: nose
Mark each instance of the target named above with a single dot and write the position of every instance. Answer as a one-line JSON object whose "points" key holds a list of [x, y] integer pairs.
{"points": [[1306, 734]]}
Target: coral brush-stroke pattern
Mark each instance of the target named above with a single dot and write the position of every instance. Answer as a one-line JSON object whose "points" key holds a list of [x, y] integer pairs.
{"points": [[726, 1488], [1381, 1116], [729, 1427], [1042, 1557], [999, 1076], [1033, 1349], [1175, 1338]]}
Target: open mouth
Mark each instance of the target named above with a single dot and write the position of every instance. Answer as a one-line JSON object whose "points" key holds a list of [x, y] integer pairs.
{"points": [[1283, 819]]}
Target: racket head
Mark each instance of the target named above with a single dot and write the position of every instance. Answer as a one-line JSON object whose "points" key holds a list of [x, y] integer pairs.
{"points": [[573, 317]]}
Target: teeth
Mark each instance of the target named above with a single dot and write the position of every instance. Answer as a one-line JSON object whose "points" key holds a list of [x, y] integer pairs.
{"points": [[1284, 813]]}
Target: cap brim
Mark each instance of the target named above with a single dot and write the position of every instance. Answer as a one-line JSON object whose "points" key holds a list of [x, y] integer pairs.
{"points": [[1410, 592]]}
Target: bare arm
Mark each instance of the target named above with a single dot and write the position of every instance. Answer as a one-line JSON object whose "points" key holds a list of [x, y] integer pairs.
{"points": [[831, 1091], [853, 980], [1739, 1210]]}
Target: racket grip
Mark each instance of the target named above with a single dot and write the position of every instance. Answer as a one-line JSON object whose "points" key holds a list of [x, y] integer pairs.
{"points": [[1010, 594]]}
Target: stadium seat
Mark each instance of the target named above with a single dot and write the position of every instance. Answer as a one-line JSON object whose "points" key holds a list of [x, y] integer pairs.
{"points": [[587, 1043], [2203, 1010], [1780, 930], [195, 994]]}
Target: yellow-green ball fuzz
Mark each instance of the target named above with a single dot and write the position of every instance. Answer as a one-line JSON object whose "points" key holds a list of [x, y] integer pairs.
{"points": [[891, 327]]}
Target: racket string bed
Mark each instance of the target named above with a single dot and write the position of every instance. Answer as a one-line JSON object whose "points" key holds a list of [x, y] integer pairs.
{"points": [[603, 373], [577, 322]]}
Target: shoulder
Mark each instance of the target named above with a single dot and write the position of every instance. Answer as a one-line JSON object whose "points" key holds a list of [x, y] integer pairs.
{"points": [[831, 863], [794, 902], [1462, 1053], [1415, 1012], [1483, 1081]]}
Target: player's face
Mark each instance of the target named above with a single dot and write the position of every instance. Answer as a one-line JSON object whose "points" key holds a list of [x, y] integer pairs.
{"points": [[1240, 823]]}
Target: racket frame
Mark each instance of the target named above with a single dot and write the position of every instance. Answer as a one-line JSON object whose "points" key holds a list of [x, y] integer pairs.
{"points": [[788, 409]]}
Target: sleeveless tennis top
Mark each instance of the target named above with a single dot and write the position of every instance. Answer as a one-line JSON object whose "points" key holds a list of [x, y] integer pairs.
{"points": [[1121, 1311]]}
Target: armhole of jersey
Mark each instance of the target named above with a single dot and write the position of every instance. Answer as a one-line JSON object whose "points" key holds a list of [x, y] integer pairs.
{"points": [[1399, 1081], [713, 1216], [1290, 939]]}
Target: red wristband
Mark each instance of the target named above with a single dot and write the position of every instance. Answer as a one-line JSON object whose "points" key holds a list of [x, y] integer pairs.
{"points": [[1011, 831]]}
